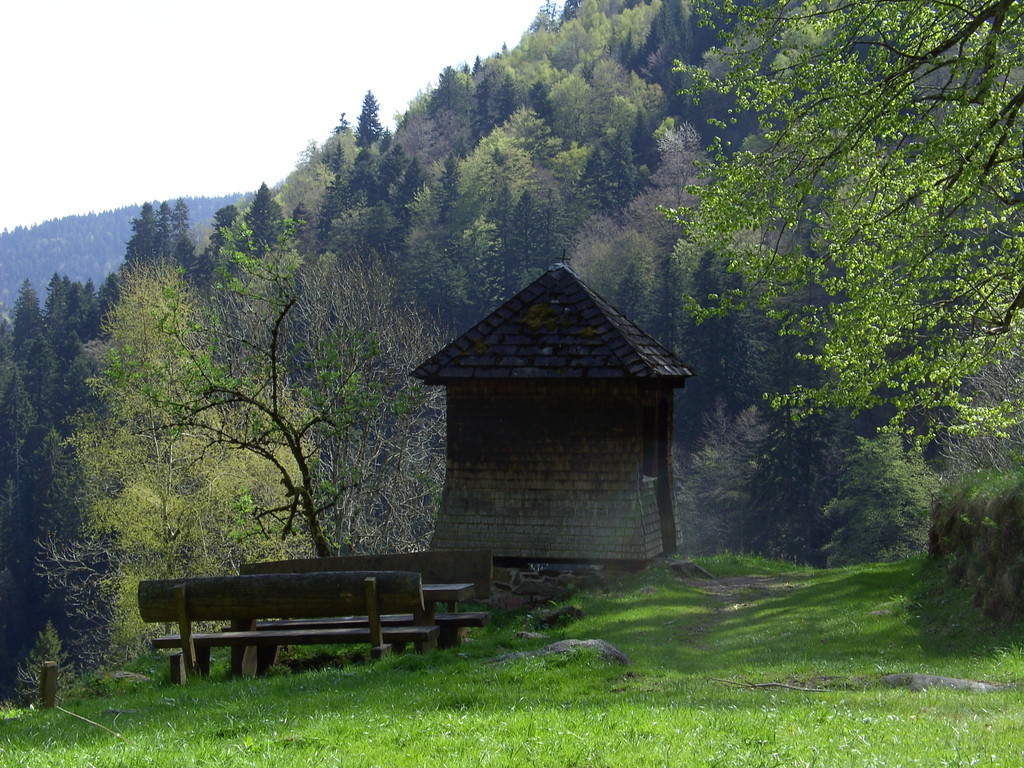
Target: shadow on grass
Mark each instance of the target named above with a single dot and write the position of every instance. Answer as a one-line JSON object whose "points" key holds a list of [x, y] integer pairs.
{"points": [[853, 623]]}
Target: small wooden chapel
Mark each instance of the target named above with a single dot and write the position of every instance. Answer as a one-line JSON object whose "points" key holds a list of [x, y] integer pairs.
{"points": [[560, 413]]}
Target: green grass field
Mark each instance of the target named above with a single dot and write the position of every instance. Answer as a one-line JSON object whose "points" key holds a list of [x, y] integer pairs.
{"points": [[717, 679]]}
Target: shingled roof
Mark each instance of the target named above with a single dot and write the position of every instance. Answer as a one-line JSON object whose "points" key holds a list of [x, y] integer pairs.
{"points": [[555, 328]]}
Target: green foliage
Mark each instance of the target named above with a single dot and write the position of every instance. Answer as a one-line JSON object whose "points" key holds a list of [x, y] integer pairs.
{"points": [[716, 491], [888, 177], [564, 146], [159, 502], [881, 508], [242, 377], [278, 369], [47, 647]]}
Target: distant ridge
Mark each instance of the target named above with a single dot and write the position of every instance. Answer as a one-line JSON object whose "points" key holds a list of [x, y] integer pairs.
{"points": [[83, 247]]}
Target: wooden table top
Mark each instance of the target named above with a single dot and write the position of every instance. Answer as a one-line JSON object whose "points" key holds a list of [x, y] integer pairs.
{"points": [[446, 593]]}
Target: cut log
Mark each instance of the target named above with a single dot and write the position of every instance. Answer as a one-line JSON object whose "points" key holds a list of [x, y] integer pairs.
{"points": [[261, 596], [441, 566]]}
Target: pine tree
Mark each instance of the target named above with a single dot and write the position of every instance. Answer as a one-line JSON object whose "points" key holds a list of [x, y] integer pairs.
{"points": [[265, 221], [16, 419], [344, 126], [412, 181], [205, 265], [145, 243], [181, 246], [363, 182], [165, 229], [27, 321], [368, 128]]}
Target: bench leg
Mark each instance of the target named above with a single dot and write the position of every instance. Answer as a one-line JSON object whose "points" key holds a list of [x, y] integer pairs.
{"points": [[452, 637], [266, 657], [424, 646], [249, 661], [179, 675], [380, 651], [243, 659], [203, 660]]}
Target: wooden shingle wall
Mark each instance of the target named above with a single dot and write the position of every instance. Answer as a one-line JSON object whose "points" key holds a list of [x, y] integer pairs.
{"points": [[548, 469]]}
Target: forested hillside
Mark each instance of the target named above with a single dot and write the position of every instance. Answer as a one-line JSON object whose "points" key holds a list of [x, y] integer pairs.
{"points": [[254, 397], [82, 248]]}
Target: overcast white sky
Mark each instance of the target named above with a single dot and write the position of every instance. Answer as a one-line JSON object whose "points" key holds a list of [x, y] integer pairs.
{"points": [[114, 102]]}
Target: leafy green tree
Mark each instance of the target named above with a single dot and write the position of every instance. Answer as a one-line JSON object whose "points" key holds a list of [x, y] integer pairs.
{"points": [[888, 173], [155, 503], [267, 371]]}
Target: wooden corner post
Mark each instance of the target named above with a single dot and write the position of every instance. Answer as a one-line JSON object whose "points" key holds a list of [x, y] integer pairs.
{"points": [[48, 685]]}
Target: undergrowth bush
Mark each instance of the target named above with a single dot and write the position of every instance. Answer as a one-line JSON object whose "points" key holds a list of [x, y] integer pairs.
{"points": [[978, 530]]}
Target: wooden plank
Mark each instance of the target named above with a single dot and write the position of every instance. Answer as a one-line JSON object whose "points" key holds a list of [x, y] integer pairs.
{"points": [[312, 636], [262, 596]]}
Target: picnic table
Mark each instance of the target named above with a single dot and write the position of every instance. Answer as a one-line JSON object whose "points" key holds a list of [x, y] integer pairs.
{"points": [[452, 576], [247, 602]]}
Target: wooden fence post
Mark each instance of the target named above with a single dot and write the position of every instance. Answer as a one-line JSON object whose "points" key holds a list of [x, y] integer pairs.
{"points": [[48, 685]]}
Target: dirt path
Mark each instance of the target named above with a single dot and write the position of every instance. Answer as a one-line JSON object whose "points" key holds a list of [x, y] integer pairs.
{"points": [[736, 591]]}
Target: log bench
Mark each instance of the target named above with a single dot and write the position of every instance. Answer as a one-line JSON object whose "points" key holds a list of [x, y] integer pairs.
{"points": [[465, 567], [245, 600]]}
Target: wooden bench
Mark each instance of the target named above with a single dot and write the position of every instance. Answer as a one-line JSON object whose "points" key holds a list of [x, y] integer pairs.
{"points": [[245, 600], [460, 566]]}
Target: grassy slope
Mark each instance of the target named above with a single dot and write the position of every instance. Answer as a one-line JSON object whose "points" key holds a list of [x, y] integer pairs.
{"points": [[680, 703]]}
